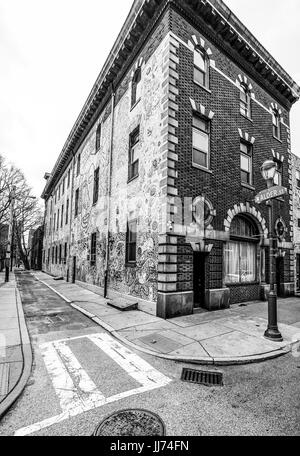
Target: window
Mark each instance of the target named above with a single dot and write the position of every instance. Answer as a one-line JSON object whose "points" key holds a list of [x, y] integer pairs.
{"points": [[201, 68], [54, 224], [78, 164], [67, 212], [96, 186], [56, 252], [69, 177], [65, 253], [246, 163], [60, 253], [59, 192], [76, 202], [57, 220], [298, 178], [48, 261], [245, 101], [133, 154], [63, 186], [131, 242], [136, 87], [62, 216], [53, 254], [298, 223], [240, 256], [276, 124], [93, 249], [98, 137], [201, 142]]}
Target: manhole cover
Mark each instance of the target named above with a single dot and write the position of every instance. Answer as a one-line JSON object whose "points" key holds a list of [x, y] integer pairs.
{"points": [[133, 422]]}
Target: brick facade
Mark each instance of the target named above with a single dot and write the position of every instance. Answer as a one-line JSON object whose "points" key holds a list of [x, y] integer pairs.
{"points": [[296, 216], [168, 188]]}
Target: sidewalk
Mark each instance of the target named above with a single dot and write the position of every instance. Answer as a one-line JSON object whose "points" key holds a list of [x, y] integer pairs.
{"points": [[227, 337], [15, 348]]}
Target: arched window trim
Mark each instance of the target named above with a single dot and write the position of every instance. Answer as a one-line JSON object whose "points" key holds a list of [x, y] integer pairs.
{"points": [[205, 70]]}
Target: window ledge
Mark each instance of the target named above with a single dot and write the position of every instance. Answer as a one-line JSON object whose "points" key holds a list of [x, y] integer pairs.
{"points": [[201, 168], [242, 284], [130, 264], [135, 104], [202, 87], [132, 179], [277, 139], [248, 186], [246, 117]]}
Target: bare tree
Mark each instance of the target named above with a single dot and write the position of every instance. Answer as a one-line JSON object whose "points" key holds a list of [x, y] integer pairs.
{"points": [[27, 214]]}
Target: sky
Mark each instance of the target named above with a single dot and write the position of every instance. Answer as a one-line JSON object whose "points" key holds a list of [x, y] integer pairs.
{"points": [[51, 52]]}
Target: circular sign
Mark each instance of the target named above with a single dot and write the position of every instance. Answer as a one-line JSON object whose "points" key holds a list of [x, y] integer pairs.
{"points": [[280, 229]]}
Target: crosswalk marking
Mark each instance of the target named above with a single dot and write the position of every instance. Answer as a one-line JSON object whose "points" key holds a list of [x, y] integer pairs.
{"points": [[76, 399]]}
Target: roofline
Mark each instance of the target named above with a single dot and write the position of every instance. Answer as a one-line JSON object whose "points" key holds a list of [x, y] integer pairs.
{"points": [[143, 10]]}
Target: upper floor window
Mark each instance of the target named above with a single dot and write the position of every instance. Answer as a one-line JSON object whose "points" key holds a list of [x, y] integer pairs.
{"points": [[78, 164], [298, 178], [136, 87], [62, 216], [76, 202], [98, 137], [133, 154], [93, 248], [201, 142], [245, 101], [67, 212], [69, 178], [96, 186], [276, 124], [246, 163], [65, 253], [201, 68], [131, 241]]}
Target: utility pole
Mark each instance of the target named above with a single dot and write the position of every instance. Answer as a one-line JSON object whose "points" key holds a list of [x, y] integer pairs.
{"points": [[10, 232]]}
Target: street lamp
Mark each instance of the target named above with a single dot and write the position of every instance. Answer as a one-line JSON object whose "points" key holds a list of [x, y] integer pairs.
{"points": [[268, 171]]}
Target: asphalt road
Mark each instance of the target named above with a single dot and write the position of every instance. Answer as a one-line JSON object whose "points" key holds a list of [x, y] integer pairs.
{"points": [[72, 368]]}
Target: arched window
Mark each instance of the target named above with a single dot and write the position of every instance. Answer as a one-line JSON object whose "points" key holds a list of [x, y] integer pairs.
{"points": [[136, 87], [201, 68], [245, 101], [240, 259], [98, 137], [276, 124]]}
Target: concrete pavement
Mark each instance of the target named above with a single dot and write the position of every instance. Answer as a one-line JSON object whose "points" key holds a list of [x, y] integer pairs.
{"points": [[15, 348], [227, 337]]}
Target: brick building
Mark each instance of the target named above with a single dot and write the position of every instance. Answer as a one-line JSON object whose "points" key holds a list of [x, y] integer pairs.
{"points": [[36, 248], [153, 193], [296, 196]]}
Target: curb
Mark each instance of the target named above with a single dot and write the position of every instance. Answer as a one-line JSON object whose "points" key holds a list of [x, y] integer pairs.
{"points": [[192, 360], [18, 389]]}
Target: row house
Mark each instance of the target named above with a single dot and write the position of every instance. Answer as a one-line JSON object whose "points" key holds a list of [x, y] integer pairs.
{"points": [[153, 194]]}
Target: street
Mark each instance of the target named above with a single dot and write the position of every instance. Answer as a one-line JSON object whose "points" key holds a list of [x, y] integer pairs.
{"points": [[81, 374]]}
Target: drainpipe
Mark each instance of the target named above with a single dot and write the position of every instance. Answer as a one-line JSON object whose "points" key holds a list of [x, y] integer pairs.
{"points": [[109, 189], [72, 177]]}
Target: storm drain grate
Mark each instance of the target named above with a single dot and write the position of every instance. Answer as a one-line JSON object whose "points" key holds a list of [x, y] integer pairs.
{"points": [[202, 377]]}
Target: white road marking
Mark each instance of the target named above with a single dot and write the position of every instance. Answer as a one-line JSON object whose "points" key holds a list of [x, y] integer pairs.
{"points": [[84, 396], [2, 345]]}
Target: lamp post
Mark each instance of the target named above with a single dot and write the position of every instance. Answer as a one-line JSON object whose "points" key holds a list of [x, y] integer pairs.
{"points": [[268, 171]]}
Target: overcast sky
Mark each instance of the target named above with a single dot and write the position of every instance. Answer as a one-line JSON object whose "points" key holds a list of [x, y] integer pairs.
{"points": [[51, 52]]}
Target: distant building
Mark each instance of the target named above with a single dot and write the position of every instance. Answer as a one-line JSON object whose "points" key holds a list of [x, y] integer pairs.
{"points": [[36, 248], [153, 193], [296, 211], [3, 244]]}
